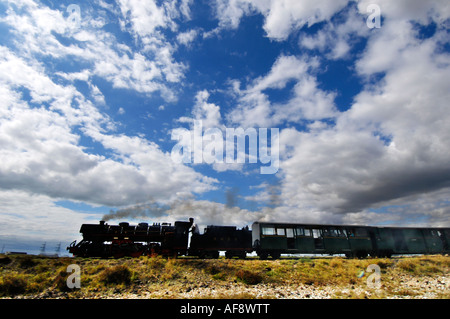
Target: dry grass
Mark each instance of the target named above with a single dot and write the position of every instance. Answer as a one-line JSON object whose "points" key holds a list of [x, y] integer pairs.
{"points": [[169, 278]]}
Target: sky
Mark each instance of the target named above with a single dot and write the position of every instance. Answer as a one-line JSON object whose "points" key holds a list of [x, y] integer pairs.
{"points": [[101, 101]]}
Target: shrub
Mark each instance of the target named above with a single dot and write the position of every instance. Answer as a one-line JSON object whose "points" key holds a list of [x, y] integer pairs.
{"points": [[384, 263], [4, 260], [12, 284], [219, 276], [27, 262], [212, 269], [249, 277], [119, 274], [60, 281]]}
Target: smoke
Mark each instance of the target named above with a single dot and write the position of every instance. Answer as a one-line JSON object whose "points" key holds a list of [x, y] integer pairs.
{"points": [[231, 196], [145, 210], [205, 213], [274, 191]]}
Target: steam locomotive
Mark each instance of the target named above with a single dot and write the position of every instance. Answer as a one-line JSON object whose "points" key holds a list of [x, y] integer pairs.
{"points": [[267, 240]]}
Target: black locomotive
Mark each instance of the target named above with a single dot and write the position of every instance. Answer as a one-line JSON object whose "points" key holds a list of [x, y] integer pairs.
{"points": [[265, 239], [103, 240]]}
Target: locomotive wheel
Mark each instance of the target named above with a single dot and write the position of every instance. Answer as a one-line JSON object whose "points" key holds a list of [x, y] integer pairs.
{"points": [[361, 254], [209, 254], [213, 254], [275, 255], [238, 254], [263, 255]]}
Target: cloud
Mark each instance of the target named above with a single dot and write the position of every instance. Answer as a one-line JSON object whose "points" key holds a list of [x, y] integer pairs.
{"points": [[391, 146], [39, 220], [204, 212], [406, 10], [337, 37], [306, 100], [281, 17], [385, 160], [208, 113], [186, 38], [41, 151], [40, 154], [41, 31], [145, 17]]}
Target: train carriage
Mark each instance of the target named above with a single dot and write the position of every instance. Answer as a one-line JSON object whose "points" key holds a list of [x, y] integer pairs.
{"points": [[433, 241], [445, 236], [274, 239], [360, 242], [397, 240]]}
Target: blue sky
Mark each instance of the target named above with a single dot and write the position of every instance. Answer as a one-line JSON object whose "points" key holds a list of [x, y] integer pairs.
{"points": [[92, 91]]}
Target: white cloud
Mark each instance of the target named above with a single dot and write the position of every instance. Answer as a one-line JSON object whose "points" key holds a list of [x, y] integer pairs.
{"points": [[97, 95], [208, 113], [390, 148], [203, 111], [281, 16], [145, 16], [307, 101], [148, 71], [40, 154], [336, 38], [186, 38], [410, 10], [40, 151], [36, 218]]}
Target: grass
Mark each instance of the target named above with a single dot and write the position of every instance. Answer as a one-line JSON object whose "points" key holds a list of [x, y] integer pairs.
{"points": [[37, 276]]}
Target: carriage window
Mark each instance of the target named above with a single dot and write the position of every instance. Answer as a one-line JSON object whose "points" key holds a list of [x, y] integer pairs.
{"points": [[300, 231], [290, 232], [316, 233], [336, 232], [357, 232], [333, 232], [268, 231], [280, 232], [361, 232], [435, 233]]}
